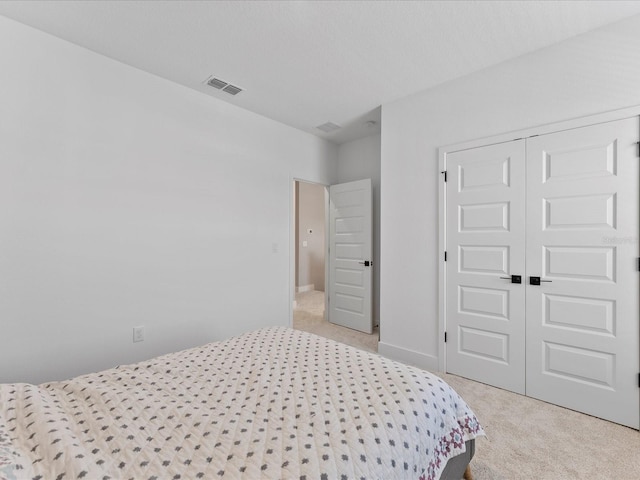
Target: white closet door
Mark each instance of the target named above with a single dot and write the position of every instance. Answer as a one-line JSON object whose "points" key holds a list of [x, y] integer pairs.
{"points": [[485, 242], [582, 240]]}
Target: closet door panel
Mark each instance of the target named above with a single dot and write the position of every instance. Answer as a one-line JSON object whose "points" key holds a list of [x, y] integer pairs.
{"points": [[582, 241], [485, 243]]}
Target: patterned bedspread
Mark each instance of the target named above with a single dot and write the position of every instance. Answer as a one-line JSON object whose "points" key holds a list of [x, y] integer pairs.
{"points": [[274, 404]]}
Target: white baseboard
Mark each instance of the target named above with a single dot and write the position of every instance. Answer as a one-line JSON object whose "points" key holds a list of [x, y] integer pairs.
{"points": [[411, 357], [305, 288]]}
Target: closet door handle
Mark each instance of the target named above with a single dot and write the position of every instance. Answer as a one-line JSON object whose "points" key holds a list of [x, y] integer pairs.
{"points": [[513, 278], [537, 280]]}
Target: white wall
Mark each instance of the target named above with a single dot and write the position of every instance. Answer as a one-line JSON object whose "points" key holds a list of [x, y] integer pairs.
{"points": [[588, 74], [128, 200], [358, 160], [310, 259]]}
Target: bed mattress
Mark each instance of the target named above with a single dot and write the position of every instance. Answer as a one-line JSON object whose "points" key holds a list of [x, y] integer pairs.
{"points": [[274, 403]]}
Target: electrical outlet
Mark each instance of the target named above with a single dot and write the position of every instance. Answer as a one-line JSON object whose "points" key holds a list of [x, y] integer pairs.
{"points": [[138, 334]]}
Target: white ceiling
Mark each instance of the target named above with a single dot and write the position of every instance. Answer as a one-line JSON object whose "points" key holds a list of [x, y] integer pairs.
{"points": [[305, 63]]}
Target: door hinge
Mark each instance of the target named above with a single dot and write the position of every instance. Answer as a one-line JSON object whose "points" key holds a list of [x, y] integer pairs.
{"points": [[638, 143], [445, 255], [639, 380], [445, 337], [639, 264], [444, 172]]}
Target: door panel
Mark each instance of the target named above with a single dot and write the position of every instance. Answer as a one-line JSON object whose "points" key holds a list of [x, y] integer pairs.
{"points": [[484, 301], [490, 260], [488, 217], [580, 213], [485, 234], [350, 244], [582, 235], [486, 345], [579, 263], [586, 314]]}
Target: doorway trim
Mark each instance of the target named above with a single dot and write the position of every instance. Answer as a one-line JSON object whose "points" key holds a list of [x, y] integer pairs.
{"points": [[570, 124]]}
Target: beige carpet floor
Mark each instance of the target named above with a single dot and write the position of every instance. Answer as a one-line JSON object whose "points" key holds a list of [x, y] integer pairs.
{"points": [[309, 316], [526, 439], [530, 439]]}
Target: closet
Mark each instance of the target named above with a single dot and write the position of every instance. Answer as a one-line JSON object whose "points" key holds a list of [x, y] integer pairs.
{"points": [[541, 280]]}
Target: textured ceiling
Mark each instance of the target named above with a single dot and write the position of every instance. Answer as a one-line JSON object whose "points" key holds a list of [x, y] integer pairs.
{"points": [[305, 63]]}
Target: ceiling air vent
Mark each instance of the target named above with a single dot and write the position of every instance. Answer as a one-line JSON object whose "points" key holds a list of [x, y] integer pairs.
{"points": [[328, 127], [222, 85], [232, 89], [216, 83]]}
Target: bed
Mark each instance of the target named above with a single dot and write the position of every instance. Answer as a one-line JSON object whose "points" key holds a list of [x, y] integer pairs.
{"points": [[275, 403]]}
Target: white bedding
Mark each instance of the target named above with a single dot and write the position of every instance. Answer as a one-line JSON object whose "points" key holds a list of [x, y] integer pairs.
{"points": [[274, 404]]}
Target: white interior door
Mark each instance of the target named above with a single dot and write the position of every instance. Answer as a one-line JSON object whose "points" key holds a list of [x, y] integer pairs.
{"points": [[350, 249], [485, 246], [582, 240]]}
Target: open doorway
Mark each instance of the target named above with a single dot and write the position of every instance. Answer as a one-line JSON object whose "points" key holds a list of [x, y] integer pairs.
{"points": [[310, 252], [310, 236]]}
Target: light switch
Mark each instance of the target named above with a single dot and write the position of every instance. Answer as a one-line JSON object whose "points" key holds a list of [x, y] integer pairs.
{"points": [[138, 334], [305, 243]]}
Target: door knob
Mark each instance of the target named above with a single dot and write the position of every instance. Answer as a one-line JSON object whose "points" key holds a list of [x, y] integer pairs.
{"points": [[537, 280], [513, 278], [366, 263]]}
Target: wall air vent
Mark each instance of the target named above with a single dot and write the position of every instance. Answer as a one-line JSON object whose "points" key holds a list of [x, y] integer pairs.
{"points": [[222, 85], [328, 127]]}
